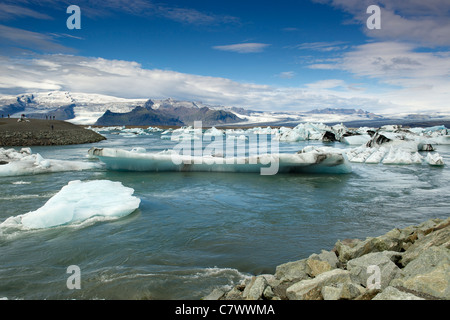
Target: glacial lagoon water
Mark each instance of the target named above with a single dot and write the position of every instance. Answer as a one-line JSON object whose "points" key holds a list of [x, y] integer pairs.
{"points": [[196, 231]]}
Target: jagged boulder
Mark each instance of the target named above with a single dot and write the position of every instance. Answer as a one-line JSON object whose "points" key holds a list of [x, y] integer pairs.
{"points": [[413, 264], [312, 289], [255, 289], [328, 256], [342, 291], [388, 270], [429, 273], [295, 270], [391, 293], [429, 235]]}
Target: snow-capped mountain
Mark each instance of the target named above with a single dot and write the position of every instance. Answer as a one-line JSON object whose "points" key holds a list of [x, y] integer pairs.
{"points": [[89, 109], [86, 108]]}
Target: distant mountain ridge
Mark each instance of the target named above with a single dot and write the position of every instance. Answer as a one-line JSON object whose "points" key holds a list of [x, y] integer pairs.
{"points": [[170, 112], [342, 111], [90, 109]]}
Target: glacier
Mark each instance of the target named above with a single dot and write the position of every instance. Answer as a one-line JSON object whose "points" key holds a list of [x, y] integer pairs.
{"points": [[319, 160], [24, 162], [77, 202]]}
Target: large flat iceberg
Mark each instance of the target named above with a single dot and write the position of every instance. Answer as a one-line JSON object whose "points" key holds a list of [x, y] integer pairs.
{"points": [[319, 160], [77, 202], [24, 162]]}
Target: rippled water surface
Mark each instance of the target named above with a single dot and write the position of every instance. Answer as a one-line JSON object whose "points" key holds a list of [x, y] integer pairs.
{"points": [[194, 232]]}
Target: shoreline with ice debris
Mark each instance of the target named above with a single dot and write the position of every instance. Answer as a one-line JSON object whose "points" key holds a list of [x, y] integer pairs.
{"points": [[412, 263], [35, 132]]}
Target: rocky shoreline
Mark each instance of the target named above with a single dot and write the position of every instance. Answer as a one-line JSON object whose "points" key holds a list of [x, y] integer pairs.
{"points": [[35, 132], [404, 264]]}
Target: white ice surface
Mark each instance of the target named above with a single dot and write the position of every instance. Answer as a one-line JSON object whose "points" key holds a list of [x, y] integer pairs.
{"points": [[23, 162], [311, 159], [77, 202], [434, 159]]}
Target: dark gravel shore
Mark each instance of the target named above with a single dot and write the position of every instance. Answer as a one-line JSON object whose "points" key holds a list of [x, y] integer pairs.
{"points": [[35, 132]]}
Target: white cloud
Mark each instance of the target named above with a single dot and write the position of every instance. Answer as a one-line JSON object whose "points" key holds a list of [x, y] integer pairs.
{"points": [[243, 47], [96, 9], [30, 40], [326, 84], [286, 75], [12, 11], [322, 46], [425, 23], [128, 79], [418, 80]]}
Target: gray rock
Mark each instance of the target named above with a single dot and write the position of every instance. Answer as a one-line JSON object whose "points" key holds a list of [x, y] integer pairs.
{"points": [[429, 273], [311, 289], [255, 289], [316, 267], [429, 259], [438, 235], [233, 294], [295, 270], [350, 290], [216, 294], [268, 293], [434, 283], [359, 268], [331, 293], [342, 291], [349, 249], [327, 256], [393, 240], [368, 294], [391, 293]]}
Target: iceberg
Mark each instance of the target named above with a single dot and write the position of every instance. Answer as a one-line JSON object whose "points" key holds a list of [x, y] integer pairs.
{"points": [[359, 139], [376, 156], [304, 131], [77, 202], [394, 145], [434, 159], [401, 156], [23, 162], [320, 160]]}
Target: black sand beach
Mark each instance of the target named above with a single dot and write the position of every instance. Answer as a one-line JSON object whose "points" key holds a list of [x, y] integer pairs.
{"points": [[35, 132]]}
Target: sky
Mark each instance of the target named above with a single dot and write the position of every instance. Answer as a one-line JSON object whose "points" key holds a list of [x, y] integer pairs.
{"points": [[282, 55]]}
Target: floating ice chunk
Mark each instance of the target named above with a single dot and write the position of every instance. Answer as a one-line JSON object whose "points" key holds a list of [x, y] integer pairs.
{"points": [[356, 139], [213, 132], [24, 163], [442, 139], [376, 156], [312, 160], [240, 137], [78, 201], [402, 156], [362, 156], [154, 129], [304, 131], [434, 159], [139, 150]]}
